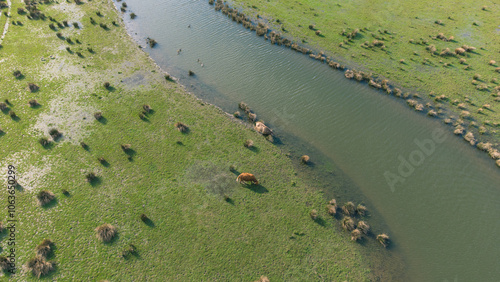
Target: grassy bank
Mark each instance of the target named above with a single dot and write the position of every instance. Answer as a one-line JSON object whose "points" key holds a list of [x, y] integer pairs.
{"points": [[445, 53], [202, 224]]}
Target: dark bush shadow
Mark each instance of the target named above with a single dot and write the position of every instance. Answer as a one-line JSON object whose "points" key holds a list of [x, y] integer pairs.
{"points": [[149, 222], [95, 182], [229, 200], [111, 89], [319, 220], [105, 163], [130, 152], [103, 120], [51, 204], [254, 149]]}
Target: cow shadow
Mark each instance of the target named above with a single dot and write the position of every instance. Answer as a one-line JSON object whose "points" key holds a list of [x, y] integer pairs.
{"points": [[256, 188]]}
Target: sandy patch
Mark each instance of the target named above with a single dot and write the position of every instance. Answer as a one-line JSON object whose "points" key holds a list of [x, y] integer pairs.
{"points": [[71, 114], [30, 175]]}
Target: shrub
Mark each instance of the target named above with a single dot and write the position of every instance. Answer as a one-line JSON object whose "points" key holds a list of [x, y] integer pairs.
{"points": [[102, 160], [383, 239], [44, 141], [65, 23], [361, 209], [39, 266], [98, 115], [106, 232], [65, 192], [3, 106], [33, 87], [17, 74], [69, 40], [45, 197], [331, 209], [237, 114], [33, 103], [248, 143], [144, 218], [151, 42], [190, 73], [355, 235], [348, 223], [59, 35], [84, 145], [318, 32], [314, 214], [44, 249], [90, 177], [252, 117], [55, 133], [5, 264], [147, 108], [126, 147], [12, 114], [90, 49], [349, 208], [75, 24], [68, 49], [181, 127], [305, 159], [103, 25], [364, 227], [106, 85], [492, 62], [133, 15]]}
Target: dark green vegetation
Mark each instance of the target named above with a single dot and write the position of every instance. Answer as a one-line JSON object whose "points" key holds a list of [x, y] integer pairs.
{"points": [[439, 60], [147, 198]]}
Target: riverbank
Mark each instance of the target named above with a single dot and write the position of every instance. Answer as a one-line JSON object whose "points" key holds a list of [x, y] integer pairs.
{"points": [[442, 62], [110, 165]]}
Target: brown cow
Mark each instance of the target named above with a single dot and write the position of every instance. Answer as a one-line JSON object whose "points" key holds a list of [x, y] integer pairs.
{"points": [[244, 177]]}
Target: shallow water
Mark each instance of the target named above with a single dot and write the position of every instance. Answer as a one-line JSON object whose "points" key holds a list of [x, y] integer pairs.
{"points": [[443, 214]]}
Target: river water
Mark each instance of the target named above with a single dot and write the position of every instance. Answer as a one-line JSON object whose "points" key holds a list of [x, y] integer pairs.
{"points": [[438, 197]]}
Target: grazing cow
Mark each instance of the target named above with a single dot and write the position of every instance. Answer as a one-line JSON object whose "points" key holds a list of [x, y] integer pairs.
{"points": [[262, 128], [244, 177]]}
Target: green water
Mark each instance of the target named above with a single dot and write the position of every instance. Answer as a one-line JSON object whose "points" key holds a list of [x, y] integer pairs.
{"points": [[437, 197]]}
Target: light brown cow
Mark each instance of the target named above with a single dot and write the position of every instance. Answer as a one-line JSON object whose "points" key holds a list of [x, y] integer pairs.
{"points": [[244, 177], [262, 128]]}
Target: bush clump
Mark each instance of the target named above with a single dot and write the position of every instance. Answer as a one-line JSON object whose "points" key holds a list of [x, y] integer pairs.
{"points": [[181, 127], [105, 232], [45, 197], [39, 266]]}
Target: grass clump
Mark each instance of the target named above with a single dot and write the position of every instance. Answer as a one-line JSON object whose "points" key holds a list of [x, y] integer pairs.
{"points": [[349, 208], [348, 223], [383, 239], [45, 248], [361, 209], [33, 103], [5, 265], [364, 227], [90, 177], [248, 144], [314, 214], [39, 266], [44, 197], [106, 232], [44, 141], [33, 87], [181, 127], [356, 235], [54, 133], [98, 115]]}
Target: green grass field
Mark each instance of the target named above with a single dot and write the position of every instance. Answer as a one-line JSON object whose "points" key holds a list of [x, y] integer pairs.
{"points": [[414, 36], [178, 180]]}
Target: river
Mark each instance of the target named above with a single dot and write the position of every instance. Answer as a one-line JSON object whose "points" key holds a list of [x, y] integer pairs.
{"points": [[438, 196]]}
